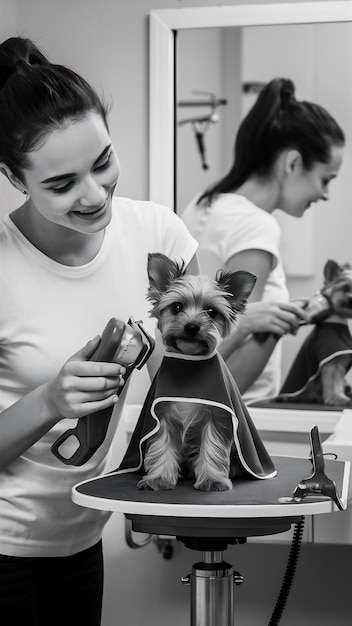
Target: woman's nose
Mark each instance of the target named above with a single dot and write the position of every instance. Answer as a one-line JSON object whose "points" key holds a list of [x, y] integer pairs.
{"points": [[92, 194]]}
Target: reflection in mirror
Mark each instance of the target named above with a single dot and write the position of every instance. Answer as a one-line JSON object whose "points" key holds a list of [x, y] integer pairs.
{"points": [[229, 66]]}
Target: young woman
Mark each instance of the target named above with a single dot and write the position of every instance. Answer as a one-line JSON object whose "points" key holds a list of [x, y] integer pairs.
{"points": [[73, 255], [286, 153]]}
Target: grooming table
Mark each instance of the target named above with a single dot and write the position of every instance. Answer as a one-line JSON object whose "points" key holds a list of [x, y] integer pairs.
{"points": [[210, 521]]}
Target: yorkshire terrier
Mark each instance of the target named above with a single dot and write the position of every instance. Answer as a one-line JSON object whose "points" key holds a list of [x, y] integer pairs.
{"points": [[194, 313], [319, 370]]}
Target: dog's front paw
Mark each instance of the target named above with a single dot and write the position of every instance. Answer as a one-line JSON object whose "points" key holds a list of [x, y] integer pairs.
{"points": [[154, 484], [337, 400], [209, 484]]}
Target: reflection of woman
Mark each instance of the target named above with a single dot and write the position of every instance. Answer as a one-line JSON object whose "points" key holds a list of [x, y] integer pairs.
{"points": [[72, 256], [286, 153]]}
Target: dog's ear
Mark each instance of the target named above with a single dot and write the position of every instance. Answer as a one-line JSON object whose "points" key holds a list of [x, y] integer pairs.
{"points": [[331, 270], [162, 271], [239, 286]]}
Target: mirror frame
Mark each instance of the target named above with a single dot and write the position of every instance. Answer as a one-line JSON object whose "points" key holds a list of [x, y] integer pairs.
{"points": [[163, 26]]}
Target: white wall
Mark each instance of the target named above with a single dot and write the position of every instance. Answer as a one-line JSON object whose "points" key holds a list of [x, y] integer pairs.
{"points": [[208, 60], [107, 41], [200, 55]]}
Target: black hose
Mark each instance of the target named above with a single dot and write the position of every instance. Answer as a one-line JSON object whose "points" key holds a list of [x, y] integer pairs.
{"points": [[289, 573]]}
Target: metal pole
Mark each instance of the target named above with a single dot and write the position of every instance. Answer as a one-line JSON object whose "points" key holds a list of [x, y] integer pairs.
{"points": [[211, 583]]}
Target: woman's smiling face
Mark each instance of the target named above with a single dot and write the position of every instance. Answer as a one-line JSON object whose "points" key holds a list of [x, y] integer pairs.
{"points": [[72, 175]]}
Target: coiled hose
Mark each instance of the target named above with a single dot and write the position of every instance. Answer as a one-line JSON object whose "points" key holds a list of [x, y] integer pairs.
{"points": [[289, 573]]}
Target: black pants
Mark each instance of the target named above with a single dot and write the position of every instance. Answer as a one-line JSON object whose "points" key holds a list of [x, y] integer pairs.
{"points": [[60, 591]]}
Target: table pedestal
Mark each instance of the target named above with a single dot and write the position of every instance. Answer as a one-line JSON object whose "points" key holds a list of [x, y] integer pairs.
{"points": [[212, 579], [212, 600]]}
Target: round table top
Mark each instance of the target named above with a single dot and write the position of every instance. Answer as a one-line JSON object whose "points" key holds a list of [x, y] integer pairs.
{"points": [[249, 498]]}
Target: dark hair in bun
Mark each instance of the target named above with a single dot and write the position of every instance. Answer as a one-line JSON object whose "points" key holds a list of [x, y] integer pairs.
{"points": [[17, 55]]}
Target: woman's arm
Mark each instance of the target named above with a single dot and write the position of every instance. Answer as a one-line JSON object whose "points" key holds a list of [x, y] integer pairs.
{"points": [[275, 318], [81, 387], [245, 355], [248, 361]]}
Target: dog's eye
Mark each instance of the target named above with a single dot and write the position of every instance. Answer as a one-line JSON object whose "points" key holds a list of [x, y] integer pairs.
{"points": [[346, 288], [176, 307], [212, 313]]}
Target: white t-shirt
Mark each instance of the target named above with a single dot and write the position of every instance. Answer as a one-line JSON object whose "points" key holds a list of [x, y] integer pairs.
{"points": [[48, 312], [231, 225]]}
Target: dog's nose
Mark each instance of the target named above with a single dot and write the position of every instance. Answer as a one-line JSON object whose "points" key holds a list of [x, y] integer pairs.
{"points": [[192, 328]]}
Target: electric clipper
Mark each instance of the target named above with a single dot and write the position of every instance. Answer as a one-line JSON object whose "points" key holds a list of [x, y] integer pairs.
{"points": [[317, 308], [128, 345]]}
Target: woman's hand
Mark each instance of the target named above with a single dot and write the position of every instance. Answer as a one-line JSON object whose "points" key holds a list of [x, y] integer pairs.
{"points": [[83, 386], [277, 318]]}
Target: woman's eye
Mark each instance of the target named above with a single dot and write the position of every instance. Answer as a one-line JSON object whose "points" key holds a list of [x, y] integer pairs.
{"points": [[212, 313], [327, 181], [63, 188], [176, 307], [104, 165]]}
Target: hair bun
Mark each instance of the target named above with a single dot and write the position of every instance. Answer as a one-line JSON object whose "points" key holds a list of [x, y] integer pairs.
{"points": [[22, 64], [18, 54], [287, 92]]}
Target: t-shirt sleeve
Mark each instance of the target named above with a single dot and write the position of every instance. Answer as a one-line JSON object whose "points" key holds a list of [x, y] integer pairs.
{"points": [[176, 241], [257, 231]]}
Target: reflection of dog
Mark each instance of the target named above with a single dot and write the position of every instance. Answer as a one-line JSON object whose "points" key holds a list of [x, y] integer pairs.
{"points": [[194, 314], [319, 370]]}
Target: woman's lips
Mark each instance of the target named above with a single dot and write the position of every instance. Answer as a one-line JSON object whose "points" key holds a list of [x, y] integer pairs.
{"points": [[91, 212]]}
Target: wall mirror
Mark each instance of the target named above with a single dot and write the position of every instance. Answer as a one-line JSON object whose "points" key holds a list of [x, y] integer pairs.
{"points": [[168, 28]]}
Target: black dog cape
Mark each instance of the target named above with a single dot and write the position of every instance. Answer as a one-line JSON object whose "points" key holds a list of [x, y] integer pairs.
{"points": [[206, 381], [326, 342]]}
